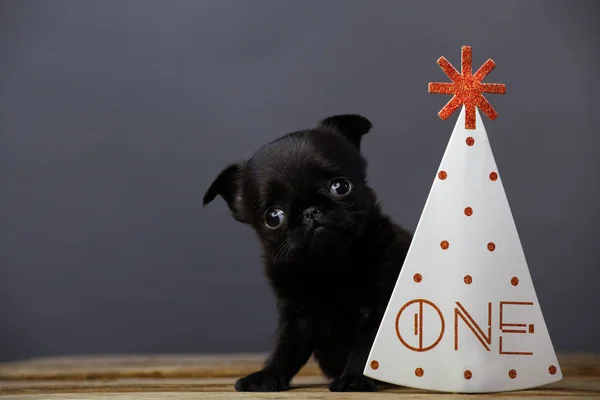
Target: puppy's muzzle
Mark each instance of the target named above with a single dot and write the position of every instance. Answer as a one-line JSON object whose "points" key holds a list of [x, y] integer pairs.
{"points": [[313, 217], [311, 213]]}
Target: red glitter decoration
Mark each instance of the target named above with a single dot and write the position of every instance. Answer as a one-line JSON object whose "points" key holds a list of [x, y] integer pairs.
{"points": [[512, 374], [468, 374], [514, 281], [442, 175], [418, 278], [470, 141], [419, 372], [467, 88], [552, 370], [468, 279], [444, 244], [374, 364], [493, 176]]}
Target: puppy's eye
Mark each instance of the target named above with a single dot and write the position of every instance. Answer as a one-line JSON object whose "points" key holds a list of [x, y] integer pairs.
{"points": [[274, 218], [340, 187]]}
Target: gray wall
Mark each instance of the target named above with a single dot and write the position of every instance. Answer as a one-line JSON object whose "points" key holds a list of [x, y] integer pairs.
{"points": [[116, 115]]}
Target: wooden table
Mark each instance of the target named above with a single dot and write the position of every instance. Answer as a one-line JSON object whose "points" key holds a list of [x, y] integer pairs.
{"points": [[211, 377]]}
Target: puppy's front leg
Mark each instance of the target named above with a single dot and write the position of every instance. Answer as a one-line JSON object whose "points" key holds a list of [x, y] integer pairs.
{"points": [[294, 347], [353, 379]]}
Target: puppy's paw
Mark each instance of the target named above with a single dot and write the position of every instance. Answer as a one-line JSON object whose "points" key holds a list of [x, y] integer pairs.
{"points": [[353, 383], [261, 381]]}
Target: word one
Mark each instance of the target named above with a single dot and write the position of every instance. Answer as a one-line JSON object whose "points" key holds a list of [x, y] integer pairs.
{"points": [[421, 325]]}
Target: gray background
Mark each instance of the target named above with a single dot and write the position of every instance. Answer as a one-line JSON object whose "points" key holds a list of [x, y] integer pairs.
{"points": [[116, 115]]}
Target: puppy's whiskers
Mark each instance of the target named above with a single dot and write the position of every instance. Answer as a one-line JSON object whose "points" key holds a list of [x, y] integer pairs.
{"points": [[350, 218], [351, 224], [282, 250], [358, 212]]}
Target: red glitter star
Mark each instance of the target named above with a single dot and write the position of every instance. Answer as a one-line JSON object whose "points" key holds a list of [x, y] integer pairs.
{"points": [[467, 88]]}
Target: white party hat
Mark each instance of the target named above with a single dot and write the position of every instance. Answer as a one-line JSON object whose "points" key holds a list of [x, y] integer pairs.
{"points": [[464, 315]]}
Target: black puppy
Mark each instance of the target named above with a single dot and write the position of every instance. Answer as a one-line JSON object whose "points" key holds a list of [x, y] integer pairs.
{"points": [[331, 256]]}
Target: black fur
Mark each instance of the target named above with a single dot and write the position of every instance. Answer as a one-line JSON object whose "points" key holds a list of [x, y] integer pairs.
{"points": [[332, 283]]}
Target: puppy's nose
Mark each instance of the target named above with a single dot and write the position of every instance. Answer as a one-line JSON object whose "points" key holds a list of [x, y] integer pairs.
{"points": [[311, 213]]}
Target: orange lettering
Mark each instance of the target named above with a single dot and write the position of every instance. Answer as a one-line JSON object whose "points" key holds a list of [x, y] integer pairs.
{"points": [[461, 313], [504, 330], [473, 326], [419, 325]]}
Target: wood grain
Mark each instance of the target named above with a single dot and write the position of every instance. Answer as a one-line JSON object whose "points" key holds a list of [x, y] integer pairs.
{"points": [[138, 366], [212, 377], [193, 366], [304, 388]]}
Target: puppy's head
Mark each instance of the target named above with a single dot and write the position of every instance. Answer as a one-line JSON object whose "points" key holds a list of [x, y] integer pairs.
{"points": [[305, 194]]}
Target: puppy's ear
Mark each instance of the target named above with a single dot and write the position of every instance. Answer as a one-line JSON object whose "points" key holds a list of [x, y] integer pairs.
{"points": [[228, 185], [351, 126]]}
